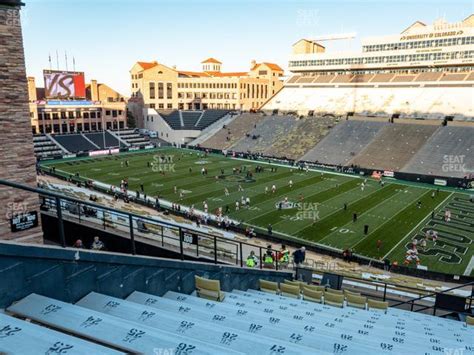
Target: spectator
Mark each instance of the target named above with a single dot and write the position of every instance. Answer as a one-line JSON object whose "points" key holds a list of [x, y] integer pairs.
{"points": [[268, 258], [284, 256], [299, 255], [97, 244], [78, 244], [252, 260], [270, 229]]}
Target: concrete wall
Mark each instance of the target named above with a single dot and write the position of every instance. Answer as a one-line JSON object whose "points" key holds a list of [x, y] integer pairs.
{"points": [[40, 269], [17, 161]]}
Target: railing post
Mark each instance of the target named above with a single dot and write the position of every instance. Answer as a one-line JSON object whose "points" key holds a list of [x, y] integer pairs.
{"points": [[384, 291], [59, 213], [434, 310], [241, 255], [181, 250], [276, 260], [412, 304], [162, 236], [215, 250], [261, 261], [132, 236]]}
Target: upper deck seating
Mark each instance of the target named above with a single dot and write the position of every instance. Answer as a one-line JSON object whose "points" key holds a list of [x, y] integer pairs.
{"points": [[75, 143], [343, 142], [394, 146]]}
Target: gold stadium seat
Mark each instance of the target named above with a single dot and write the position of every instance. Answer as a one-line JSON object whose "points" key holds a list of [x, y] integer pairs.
{"points": [[312, 295], [334, 299], [372, 304], [356, 301], [347, 292], [334, 292], [290, 290], [209, 289], [269, 286], [295, 283], [470, 320], [314, 287]]}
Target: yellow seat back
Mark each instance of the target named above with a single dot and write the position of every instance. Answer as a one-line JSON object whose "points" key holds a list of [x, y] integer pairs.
{"points": [[469, 320], [373, 304], [334, 292], [311, 295], [347, 292], [314, 287], [268, 286], [290, 290], [333, 299], [209, 289], [356, 301]]}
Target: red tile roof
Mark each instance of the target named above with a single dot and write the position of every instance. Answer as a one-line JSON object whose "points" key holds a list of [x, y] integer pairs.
{"points": [[272, 66], [147, 65], [211, 60]]}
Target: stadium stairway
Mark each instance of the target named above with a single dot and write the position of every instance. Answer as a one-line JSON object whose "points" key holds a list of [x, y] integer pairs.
{"points": [[226, 137], [212, 129]]}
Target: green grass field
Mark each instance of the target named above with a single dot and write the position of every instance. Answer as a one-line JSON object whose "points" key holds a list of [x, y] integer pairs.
{"points": [[391, 212]]}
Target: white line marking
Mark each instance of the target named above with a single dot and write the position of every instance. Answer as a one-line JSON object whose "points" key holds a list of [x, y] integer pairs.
{"points": [[423, 220]]}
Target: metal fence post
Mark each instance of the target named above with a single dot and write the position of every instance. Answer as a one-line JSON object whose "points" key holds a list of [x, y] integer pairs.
{"points": [[241, 255], [132, 236], [181, 249], [261, 261], [60, 222], [384, 292], [215, 250]]}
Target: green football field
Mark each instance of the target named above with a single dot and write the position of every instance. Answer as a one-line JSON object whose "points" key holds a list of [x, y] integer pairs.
{"points": [[312, 209]]}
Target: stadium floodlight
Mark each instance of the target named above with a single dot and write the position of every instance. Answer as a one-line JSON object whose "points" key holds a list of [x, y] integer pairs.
{"points": [[333, 37]]}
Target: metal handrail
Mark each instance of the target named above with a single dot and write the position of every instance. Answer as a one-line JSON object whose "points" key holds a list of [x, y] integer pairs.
{"points": [[216, 239], [434, 294]]}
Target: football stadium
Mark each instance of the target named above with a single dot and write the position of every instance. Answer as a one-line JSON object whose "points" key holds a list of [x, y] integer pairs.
{"points": [[322, 205]]}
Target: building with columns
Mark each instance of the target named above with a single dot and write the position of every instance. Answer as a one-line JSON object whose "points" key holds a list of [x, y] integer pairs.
{"points": [[161, 87], [102, 108]]}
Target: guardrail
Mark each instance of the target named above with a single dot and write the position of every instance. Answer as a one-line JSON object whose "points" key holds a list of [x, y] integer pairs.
{"points": [[186, 240]]}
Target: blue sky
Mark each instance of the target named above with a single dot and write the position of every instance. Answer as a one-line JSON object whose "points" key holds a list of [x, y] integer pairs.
{"points": [[107, 37]]}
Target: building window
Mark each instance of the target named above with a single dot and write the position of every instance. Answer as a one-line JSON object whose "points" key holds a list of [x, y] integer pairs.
{"points": [[152, 90], [169, 106], [160, 91], [169, 91], [161, 106], [107, 112]]}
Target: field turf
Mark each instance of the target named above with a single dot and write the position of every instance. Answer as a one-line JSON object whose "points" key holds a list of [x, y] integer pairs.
{"points": [[315, 210]]}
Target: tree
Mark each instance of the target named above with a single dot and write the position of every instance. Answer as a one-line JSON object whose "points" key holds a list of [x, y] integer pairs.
{"points": [[131, 123]]}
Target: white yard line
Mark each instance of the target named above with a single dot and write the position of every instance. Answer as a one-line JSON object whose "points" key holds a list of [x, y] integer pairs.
{"points": [[368, 212], [423, 220], [469, 267]]}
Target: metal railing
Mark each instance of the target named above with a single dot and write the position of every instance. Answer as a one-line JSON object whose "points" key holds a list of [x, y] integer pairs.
{"points": [[188, 241], [383, 289], [424, 307]]}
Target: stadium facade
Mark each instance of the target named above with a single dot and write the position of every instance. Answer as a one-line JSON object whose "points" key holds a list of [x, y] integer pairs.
{"points": [[426, 71], [97, 107], [159, 87]]}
